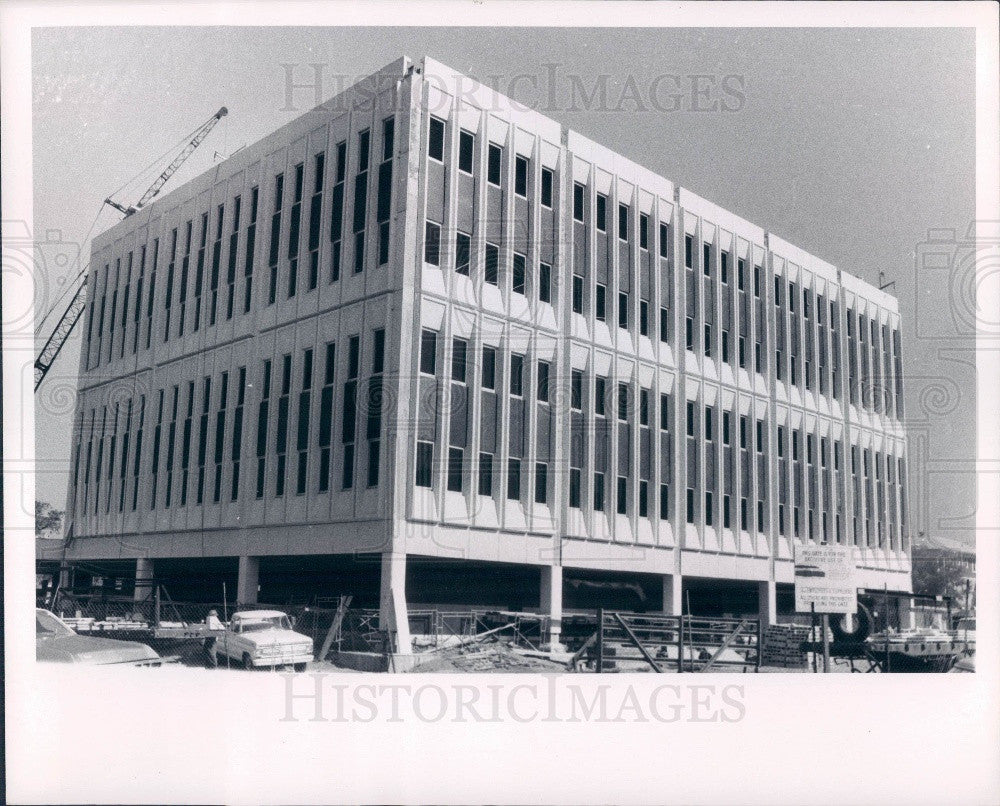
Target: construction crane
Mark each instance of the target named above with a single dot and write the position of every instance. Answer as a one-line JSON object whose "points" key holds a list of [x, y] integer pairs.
{"points": [[171, 169], [78, 288]]}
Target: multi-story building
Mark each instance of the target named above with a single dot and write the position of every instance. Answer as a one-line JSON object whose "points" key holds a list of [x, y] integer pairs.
{"points": [[428, 347]]}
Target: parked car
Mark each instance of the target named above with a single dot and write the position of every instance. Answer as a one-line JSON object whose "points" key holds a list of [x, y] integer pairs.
{"points": [[55, 642], [262, 639], [965, 664]]}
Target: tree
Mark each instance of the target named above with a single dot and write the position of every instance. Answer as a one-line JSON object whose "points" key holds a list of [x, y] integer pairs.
{"points": [[48, 521]]}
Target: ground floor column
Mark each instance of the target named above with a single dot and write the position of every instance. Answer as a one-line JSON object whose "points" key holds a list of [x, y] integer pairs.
{"points": [[767, 603], [143, 580], [392, 614], [550, 604], [673, 602], [907, 613], [248, 581]]}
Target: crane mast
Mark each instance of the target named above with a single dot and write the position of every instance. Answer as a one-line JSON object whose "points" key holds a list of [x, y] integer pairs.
{"points": [[67, 321]]}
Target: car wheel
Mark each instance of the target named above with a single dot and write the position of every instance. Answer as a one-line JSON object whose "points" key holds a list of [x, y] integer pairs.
{"points": [[300, 667], [247, 662], [854, 630]]}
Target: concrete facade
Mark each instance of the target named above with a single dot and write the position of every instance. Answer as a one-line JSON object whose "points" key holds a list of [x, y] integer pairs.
{"points": [[421, 322]]}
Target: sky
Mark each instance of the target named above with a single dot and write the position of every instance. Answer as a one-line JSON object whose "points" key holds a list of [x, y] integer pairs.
{"points": [[857, 145]]}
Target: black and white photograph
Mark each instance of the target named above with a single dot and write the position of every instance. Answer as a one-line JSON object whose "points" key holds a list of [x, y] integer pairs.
{"points": [[401, 389]]}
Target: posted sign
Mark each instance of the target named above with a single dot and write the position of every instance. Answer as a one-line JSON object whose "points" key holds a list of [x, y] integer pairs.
{"points": [[824, 577]]}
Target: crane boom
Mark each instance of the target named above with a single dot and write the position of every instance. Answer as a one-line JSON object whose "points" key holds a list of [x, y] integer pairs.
{"points": [[61, 333], [173, 167], [64, 327]]}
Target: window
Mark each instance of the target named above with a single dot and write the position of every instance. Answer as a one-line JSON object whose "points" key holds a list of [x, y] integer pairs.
{"points": [[643, 231], [543, 382], [643, 407], [708, 507], [741, 346], [432, 243], [541, 483], [599, 492], [544, 282], [486, 474], [621, 499], [600, 304], [643, 318], [514, 479], [664, 325], [458, 352], [578, 202], [463, 251], [518, 274], [599, 395], [516, 373], [689, 333], [690, 419], [708, 340], [602, 212], [576, 390], [708, 423], [623, 311], [326, 417], [428, 351], [740, 269], [435, 140], [760, 436], [493, 167], [725, 346], [726, 523], [455, 460], [724, 267], [756, 281], [688, 251], [574, 487], [664, 240], [577, 294], [425, 459], [706, 259], [489, 368], [690, 505], [725, 427], [665, 501], [492, 275], [546, 187], [374, 453], [520, 176], [623, 222], [466, 148], [623, 402], [664, 411]]}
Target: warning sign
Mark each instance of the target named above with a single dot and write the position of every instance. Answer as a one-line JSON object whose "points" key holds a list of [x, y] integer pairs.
{"points": [[824, 577]]}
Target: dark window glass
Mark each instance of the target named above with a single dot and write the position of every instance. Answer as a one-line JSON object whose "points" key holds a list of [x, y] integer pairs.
{"points": [[623, 222], [541, 482], [489, 368], [435, 140], [577, 294], [493, 169], [544, 282], [455, 462], [432, 243], [428, 351], [458, 353], [546, 187], [578, 202], [486, 474], [520, 176], [516, 373], [466, 147], [425, 458], [463, 249], [602, 212], [543, 381]]}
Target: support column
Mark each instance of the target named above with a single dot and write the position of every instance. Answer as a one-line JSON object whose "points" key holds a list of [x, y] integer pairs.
{"points": [[248, 581], [550, 604], [767, 603], [143, 576], [392, 615], [907, 613], [673, 602]]}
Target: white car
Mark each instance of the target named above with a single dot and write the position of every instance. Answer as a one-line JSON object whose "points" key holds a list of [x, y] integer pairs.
{"points": [[262, 638]]}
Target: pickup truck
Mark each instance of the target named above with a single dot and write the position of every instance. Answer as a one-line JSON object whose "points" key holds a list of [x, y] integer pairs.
{"points": [[261, 639]]}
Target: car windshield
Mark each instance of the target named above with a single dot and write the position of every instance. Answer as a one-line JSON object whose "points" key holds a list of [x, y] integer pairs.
{"points": [[47, 625], [268, 623]]}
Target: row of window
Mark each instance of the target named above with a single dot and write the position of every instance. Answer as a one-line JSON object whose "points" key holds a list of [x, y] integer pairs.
{"points": [[180, 419], [108, 321]]}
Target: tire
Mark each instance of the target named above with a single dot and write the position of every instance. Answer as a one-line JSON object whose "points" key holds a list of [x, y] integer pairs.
{"points": [[852, 630], [300, 667], [247, 662]]}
